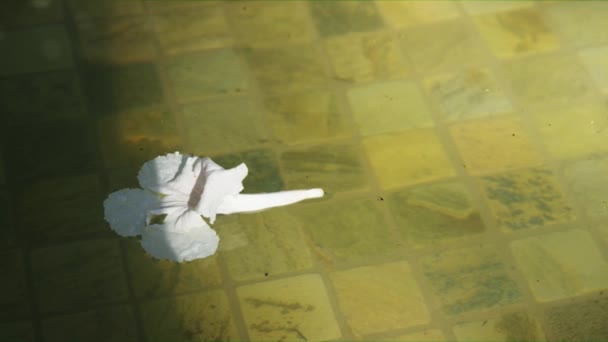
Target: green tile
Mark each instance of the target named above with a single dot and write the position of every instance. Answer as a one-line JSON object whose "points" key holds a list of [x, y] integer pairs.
{"points": [[580, 23], [42, 48], [204, 316], [553, 272], [78, 275], [16, 13], [65, 208], [55, 149], [584, 177], [535, 81], [288, 69], [432, 214], [2, 165], [14, 303], [335, 167], [8, 237], [526, 199], [510, 326], [455, 46], [579, 321], [219, 126], [37, 98], [347, 230], [104, 9], [467, 94], [17, 331], [104, 324], [470, 279], [263, 245], [308, 116], [340, 17], [118, 89], [156, 278], [210, 74], [263, 169]]}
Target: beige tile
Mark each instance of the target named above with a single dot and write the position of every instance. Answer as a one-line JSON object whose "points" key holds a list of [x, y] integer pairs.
{"points": [[263, 245], [410, 13], [57, 209], [333, 167], [470, 93], [554, 272], [104, 324], [515, 326], [154, 278], [132, 138], [494, 145], [267, 23], [343, 232], [478, 7], [407, 158], [534, 80], [427, 335], [308, 116], [187, 26], [526, 199], [581, 23], [517, 33], [584, 178], [470, 279], [288, 69], [78, 275], [204, 316], [226, 125], [431, 215], [596, 62], [365, 57], [17, 331], [288, 309], [455, 46], [379, 298], [566, 138], [14, 302], [402, 107], [120, 40]]}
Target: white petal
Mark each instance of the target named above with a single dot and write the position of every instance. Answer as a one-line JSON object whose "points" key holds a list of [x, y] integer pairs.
{"points": [[182, 220], [247, 203], [199, 242], [126, 210], [219, 184], [173, 173]]}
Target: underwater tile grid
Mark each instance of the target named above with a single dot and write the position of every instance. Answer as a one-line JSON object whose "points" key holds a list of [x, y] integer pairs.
{"points": [[462, 146]]}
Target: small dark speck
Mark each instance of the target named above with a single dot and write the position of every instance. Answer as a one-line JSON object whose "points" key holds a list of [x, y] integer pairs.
{"points": [[549, 125], [266, 274], [484, 323], [513, 134], [244, 8], [601, 293], [213, 306], [141, 148], [538, 280], [380, 199]]}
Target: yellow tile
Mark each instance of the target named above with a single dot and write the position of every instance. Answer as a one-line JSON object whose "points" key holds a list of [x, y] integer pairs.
{"points": [[389, 107], [155, 278], [494, 145], [536, 80], [203, 316], [526, 199], [515, 326], [267, 23], [477, 6], [190, 26], [455, 46], [104, 324], [308, 116], [581, 23], [365, 57], [378, 298], [407, 158], [596, 61], [130, 139], [585, 180], [288, 309], [603, 230], [420, 336], [554, 272], [516, 33], [409, 13], [258, 246], [470, 93], [573, 131]]}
